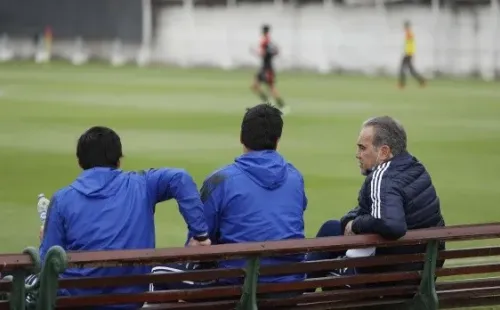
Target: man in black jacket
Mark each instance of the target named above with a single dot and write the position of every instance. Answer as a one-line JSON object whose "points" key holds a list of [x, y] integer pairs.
{"points": [[396, 196]]}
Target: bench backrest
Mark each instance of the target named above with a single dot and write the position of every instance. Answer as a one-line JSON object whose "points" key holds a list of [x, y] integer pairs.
{"points": [[253, 251]]}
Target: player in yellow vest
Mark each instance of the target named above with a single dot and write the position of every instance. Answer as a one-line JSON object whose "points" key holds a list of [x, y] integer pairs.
{"points": [[407, 62]]}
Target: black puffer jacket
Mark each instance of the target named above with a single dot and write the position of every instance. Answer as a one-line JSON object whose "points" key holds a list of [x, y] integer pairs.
{"points": [[397, 196]]}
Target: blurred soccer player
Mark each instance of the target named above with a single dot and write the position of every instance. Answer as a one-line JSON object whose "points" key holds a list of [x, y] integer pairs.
{"points": [[407, 62], [266, 73]]}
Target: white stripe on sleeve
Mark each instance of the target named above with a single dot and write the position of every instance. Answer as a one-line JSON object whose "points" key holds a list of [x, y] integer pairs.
{"points": [[376, 203]]}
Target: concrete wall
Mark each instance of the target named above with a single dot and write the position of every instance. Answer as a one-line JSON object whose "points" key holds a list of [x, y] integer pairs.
{"points": [[90, 19], [325, 39]]}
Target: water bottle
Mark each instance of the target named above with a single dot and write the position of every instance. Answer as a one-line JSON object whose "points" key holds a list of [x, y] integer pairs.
{"points": [[42, 206]]}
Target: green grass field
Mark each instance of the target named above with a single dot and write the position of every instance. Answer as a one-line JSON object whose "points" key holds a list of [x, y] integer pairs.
{"points": [[191, 118]]}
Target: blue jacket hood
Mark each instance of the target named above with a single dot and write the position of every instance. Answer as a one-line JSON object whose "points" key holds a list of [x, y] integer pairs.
{"points": [[97, 182], [268, 169]]}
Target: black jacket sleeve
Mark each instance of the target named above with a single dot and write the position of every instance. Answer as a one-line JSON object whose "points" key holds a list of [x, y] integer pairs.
{"points": [[350, 216], [387, 216]]}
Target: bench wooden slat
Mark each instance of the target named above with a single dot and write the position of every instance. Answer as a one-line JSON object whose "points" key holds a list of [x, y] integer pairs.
{"points": [[339, 281], [341, 263], [198, 275], [155, 297], [471, 252], [469, 293], [10, 262], [159, 256], [214, 305], [469, 302], [352, 304], [464, 270], [374, 261], [463, 284], [341, 295]]}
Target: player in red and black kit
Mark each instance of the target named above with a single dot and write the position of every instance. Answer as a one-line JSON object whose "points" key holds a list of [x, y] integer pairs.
{"points": [[266, 73]]}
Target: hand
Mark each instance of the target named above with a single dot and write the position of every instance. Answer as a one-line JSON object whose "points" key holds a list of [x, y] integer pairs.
{"points": [[193, 242], [348, 229], [41, 233]]}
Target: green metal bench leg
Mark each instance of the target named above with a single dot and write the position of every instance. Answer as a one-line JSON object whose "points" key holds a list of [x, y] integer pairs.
{"points": [[56, 262], [426, 297], [248, 300], [17, 299]]}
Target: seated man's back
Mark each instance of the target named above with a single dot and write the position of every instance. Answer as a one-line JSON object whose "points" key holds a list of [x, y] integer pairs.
{"points": [[106, 208], [260, 197]]}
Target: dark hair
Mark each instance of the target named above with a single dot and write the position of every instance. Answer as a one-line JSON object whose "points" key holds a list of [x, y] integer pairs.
{"points": [[261, 127], [266, 28], [388, 132], [99, 147]]}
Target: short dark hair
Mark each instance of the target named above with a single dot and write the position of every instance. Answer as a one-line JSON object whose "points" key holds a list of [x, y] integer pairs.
{"points": [[388, 131], [261, 127], [99, 147], [266, 28]]}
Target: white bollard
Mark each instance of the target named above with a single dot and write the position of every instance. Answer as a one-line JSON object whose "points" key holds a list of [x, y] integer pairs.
{"points": [[117, 57], [79, 56], [144, 56]]}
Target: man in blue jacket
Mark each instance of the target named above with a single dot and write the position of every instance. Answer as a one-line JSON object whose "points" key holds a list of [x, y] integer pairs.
{"points": [[106, 208], [260, 197], [396, 196]]}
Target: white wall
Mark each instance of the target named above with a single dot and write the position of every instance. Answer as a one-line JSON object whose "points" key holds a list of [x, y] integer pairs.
{"points": [[321, 38]]}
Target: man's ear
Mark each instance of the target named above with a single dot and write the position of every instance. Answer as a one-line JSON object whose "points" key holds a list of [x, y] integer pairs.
{"points": [[386, 152]]}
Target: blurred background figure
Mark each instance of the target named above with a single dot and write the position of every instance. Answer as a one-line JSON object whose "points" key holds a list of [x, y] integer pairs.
{"points": [[266, 74], [407, 62]]}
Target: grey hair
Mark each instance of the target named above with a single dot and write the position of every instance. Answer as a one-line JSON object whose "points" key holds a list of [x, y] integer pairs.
{"points": [[388, 131]]}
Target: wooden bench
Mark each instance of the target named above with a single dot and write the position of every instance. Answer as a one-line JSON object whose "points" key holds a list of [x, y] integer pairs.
{"points": [[422, 292]]}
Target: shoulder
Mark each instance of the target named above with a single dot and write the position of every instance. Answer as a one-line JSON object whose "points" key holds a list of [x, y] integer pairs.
{"points": [[383, 176], [410, 173], [221, 174], [164, 171], [384, 171], [294, 172], [60, 198], [218, 178]]}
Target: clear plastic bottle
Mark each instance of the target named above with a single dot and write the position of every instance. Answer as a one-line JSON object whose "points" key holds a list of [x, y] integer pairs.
{"points": [[42, 207]]}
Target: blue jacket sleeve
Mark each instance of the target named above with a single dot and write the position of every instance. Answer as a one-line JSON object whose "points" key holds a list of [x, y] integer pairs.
{"points": [[387, 216], [53, 233], [212, 197], [305, 199], [165, 183]]}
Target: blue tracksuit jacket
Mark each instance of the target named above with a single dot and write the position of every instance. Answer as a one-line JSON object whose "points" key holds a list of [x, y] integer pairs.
{"points": [[109, 209], [260, 197]]}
